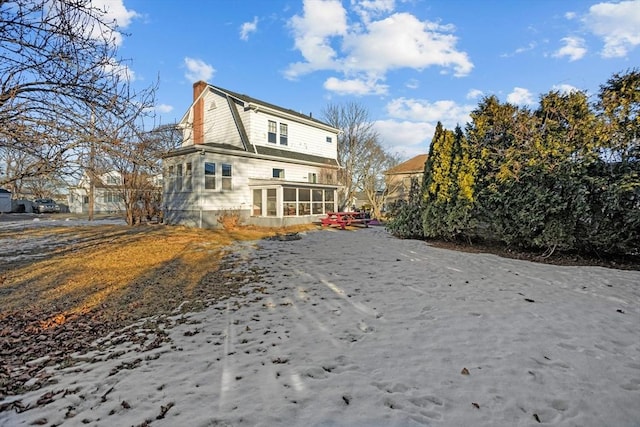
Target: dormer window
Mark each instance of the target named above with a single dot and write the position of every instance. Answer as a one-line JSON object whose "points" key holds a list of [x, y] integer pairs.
{"points": [[272, 132], [284, 134]]}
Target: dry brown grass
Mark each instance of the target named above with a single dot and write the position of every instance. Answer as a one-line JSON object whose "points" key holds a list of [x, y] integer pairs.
{"points": [[93, 280]]}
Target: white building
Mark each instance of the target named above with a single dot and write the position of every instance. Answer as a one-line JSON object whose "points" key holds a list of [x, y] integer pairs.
{"points": [[270, 165], [107, 193]]}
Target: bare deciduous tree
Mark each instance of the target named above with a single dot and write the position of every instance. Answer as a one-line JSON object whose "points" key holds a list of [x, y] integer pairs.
{"points": [[58, 68], [360, 153], [372, 172]]}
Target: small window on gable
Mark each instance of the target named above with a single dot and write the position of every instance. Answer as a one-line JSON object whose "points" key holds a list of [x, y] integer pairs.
{"points": [[313, 178], [284, 134], [278, 173], [329, 140], [273, 127]]}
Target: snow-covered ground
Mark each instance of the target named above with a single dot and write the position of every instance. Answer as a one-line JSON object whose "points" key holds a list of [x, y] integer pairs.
{"points": [[33, 246], [357, 328], [27, 220]]}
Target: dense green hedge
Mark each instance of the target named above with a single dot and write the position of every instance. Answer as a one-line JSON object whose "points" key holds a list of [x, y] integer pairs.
{"points": [[565, 176]]}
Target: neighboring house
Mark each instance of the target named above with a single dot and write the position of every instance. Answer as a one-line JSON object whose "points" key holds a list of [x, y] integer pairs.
{"points": [[107, 190], [398, 178], [241, 156], [5, 201]]}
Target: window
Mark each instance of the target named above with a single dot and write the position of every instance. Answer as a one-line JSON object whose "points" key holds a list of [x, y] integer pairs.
{"points": [[272, 132], [272, 200], [278, 173], [179, 177], [290, 199], [257, 203], [329, 205], [304, 196], [313, 178], [226, 177], [329, 140], [112, 197], [284, 134], [316, 201], [112, 180], [209, 176], [85, 200], [188, 185], [171, 178]]}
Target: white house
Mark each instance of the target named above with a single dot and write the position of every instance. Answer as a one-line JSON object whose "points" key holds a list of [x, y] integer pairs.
{"points": [[270, 165], [107, 191]]}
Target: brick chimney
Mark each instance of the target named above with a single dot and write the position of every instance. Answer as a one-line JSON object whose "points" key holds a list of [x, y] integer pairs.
{"points": [[198, 112]]}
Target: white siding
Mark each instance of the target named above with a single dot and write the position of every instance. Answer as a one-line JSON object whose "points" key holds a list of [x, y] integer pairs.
{"points": [[302, 138], [187, 130], [243, 169], [219, 126]]}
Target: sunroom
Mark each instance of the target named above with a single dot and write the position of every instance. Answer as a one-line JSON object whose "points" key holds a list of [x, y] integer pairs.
{"points": [[291, 200]]}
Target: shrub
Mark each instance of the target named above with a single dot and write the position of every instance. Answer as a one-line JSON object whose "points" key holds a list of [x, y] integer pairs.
{"points": [[230, 219]]}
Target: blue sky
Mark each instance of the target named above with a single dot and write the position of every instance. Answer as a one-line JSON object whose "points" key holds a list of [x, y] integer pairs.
{"points": [[410, 63]]}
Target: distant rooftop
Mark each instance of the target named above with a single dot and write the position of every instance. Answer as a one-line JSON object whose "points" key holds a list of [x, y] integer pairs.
{"points": [[413, 165]]}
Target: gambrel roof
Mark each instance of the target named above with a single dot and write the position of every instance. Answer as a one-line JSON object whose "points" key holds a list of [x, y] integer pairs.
{"points": [[249, 103]]}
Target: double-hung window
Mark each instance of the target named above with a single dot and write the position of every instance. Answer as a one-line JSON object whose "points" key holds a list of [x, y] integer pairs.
{"points": [[188, 185], [273, 128], [278, 173], [226, 177], [179, 177], [284, 134], [170, 172], [209, 176]]}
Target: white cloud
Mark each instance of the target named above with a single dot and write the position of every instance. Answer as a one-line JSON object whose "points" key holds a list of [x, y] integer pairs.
{"points": [[618, 24], [163, 108], [570, 15], [367, 9], [120, 69], [518, 51], [403, 41], [573, 48], [520, 96], [413, 84], [370, 47], [475, 94], [565, 88], [322, 20], [405, 138], [412, 123], [197, 70], [445, 111], [114, 11], [354, 86], [248, 28]]}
